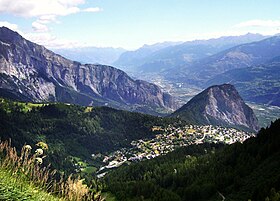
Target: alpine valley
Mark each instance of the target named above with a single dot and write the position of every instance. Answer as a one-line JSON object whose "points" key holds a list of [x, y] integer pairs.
{"points": [[200, 123]]}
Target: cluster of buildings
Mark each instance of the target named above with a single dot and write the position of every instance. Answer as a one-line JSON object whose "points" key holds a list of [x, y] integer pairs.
{"points": [[169, 138]]}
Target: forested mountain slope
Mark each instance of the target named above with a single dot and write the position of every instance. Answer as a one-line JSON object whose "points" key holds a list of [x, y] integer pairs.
{"points": [[206, 172]]}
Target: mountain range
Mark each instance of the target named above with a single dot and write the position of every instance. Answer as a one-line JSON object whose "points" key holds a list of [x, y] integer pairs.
{"points": [[129, 60], [240, 56], [31, 72], [163, 56], [252, 67], [202, 63]]}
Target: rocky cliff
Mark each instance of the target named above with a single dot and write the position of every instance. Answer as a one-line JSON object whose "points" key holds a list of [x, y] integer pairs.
{"points": [[219, 105], [31, 72], [258, 84]]}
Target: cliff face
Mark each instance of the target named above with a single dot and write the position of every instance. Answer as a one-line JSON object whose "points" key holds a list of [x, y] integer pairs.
{"points": [[31, 72], [219, 105]]}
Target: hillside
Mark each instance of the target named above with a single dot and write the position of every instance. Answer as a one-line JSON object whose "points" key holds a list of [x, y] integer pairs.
{"points": [[248, 171], [218, 105], [30, 72], [73, 131]]}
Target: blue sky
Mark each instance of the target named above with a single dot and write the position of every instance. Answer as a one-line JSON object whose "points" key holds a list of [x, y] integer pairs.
{"points": [[132, 23]]}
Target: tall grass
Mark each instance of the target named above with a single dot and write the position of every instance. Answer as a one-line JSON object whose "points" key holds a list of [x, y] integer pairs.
{"points": [[24, 166]]}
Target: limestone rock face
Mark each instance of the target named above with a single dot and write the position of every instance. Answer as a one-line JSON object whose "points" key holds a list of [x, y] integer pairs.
{"points": [[219, 105], [31, 72]]}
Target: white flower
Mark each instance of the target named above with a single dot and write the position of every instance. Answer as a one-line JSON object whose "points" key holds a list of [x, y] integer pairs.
{"points": [[39, 160], [27, 147], [39, 152], [42, 145]]}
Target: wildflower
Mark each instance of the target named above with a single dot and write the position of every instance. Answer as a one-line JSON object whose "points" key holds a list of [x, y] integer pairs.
{"points": [[42, 145], [27, 147], [39, 152], [39, 160]]}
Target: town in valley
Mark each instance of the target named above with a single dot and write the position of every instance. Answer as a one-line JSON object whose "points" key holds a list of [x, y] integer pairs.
{"points": [[167, 140]]}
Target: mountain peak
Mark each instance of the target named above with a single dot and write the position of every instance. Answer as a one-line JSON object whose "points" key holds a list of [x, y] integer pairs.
{"points": [[227, 90], [224, 86], [219, 105], [9, 36], [6, 29]]}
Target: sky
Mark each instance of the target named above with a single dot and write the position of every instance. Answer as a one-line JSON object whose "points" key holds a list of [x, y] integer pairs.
{"points": [[132, 23]]}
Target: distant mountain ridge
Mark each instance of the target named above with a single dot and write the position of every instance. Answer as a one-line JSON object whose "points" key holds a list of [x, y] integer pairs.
{"points": [[252, 68], [240, 56], [31, 72], [131, 59], [172, 55], [219, 105], [93, 55]]}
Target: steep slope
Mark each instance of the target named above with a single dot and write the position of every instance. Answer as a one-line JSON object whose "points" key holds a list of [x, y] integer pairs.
{"points": [[237, 57], [248, 171], [31, 72], [72, 130], [219, 105], [258, 84]]}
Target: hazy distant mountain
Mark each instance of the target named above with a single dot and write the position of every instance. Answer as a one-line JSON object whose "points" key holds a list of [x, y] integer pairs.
{"points": [[172, 55], [190, 52], [219, 105], [241, 56], [93, 55], [259, 83], [33, 73], [131, 59]]}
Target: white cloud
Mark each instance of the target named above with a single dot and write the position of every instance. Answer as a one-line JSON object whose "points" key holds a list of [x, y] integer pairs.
{"points": [[258, 23], [93, 10], [9, 25], [46, 11], [39, 27], [37, 8], [50, 41], [45, 19]]}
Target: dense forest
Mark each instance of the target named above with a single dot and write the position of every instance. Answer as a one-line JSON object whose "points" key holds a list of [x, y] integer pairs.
{"points": [[72, 130], [248, 171]]}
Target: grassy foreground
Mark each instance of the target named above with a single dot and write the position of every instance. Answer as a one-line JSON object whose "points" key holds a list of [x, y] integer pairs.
{"points": [[23, 177], [14, 187]]}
